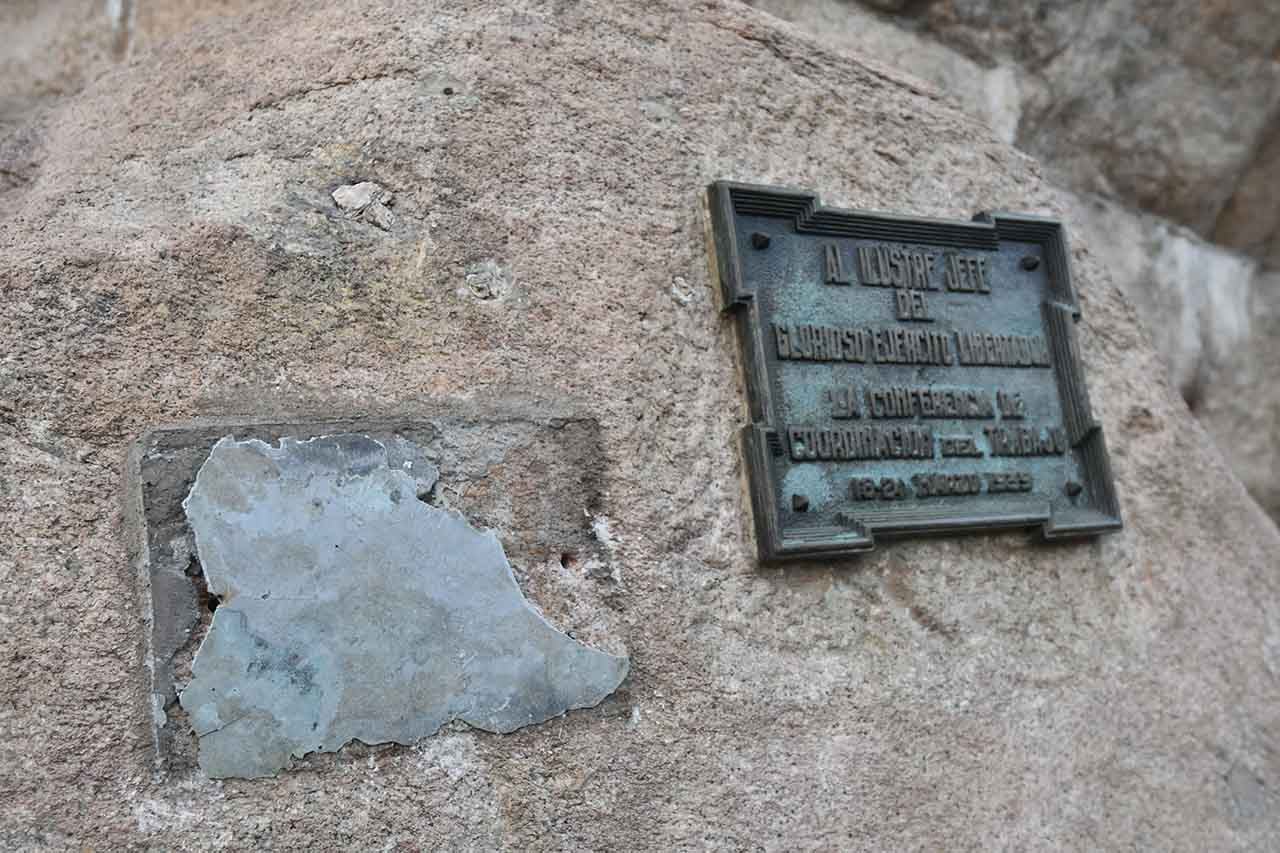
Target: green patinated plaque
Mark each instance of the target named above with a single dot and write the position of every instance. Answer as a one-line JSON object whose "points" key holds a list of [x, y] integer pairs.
{"points": [[906, 375]]}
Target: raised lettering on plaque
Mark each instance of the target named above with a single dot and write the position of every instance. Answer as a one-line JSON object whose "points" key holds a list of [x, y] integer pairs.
{"points": [[906, 375]]}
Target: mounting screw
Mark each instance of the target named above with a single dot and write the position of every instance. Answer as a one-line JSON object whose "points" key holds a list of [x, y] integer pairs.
{"points": [[1073, 488], [760, 241], [1030, 262], [799, 503]]}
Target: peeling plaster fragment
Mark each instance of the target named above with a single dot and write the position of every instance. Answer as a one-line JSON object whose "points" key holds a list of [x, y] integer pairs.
{"points": [[352, 610]]}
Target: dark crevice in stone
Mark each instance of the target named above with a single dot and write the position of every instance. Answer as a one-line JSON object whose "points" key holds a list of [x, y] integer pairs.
{"points": [[431, 495], [1193, 390], [181, 754]]}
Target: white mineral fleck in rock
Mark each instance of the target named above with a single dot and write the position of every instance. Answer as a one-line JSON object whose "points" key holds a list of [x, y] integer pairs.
{"points": [[368, 201], [354, 198]]}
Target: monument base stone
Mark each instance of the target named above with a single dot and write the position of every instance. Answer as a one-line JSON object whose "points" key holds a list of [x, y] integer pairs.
{"points": [[174, 253]]}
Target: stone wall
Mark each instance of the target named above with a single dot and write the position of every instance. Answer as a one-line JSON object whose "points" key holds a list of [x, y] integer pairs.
{"points": [[173, 253]]}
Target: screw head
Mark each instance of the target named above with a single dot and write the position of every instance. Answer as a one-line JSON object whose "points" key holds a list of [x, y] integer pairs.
{"points": [[1030, 262], [760, 241]]}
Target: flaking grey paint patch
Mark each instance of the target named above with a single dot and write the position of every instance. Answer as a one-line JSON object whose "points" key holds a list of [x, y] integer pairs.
{"points": [[352, 610]]}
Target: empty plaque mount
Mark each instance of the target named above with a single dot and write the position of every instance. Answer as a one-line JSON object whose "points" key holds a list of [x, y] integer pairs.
{"points": [[906, 375]]}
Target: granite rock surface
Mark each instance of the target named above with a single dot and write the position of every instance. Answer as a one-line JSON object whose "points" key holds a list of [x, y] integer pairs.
{"points": [[1172, 108], [176, 254]]}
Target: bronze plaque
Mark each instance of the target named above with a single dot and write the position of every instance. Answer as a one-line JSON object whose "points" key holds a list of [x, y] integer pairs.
{"points": [[906, 375]]}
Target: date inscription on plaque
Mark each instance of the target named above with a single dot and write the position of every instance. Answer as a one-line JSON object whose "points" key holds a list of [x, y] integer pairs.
{"points": [[906, 375]]}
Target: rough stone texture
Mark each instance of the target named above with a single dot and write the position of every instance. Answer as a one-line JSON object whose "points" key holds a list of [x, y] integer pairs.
{"points": [[178, 254], [1250, 221], [988, 90], [1171, 107], [352, 610], [1197, 300], [53, 48], [1212, 315], [1163, 104], [1237, 398]]}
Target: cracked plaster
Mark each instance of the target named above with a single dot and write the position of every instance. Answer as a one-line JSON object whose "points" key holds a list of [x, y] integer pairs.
{"points": [[352, 610]]}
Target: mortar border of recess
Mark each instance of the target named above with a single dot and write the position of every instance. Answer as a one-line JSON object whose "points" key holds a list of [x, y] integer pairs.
{"points": [[137, 535]]}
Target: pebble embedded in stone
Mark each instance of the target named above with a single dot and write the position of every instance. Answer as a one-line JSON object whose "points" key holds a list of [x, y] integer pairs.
{"points": [[366, 200]]}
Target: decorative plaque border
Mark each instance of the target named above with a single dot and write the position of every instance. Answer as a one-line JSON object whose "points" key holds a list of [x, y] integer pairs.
{"points": [[1097, 511]]}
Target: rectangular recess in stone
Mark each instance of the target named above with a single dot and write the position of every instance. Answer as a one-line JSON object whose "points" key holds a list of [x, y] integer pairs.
{"points": [[906, 375], [528, 473]]}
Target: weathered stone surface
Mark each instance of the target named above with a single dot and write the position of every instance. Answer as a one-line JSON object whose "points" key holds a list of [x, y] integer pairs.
{"points": [[1173, 108], [178, 255], [1197, 300], [1238, 403], [1250, 221], [54, 48], [1161, 104], [994, 92], [352, 610], [1211, 313], [51, 46]]}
